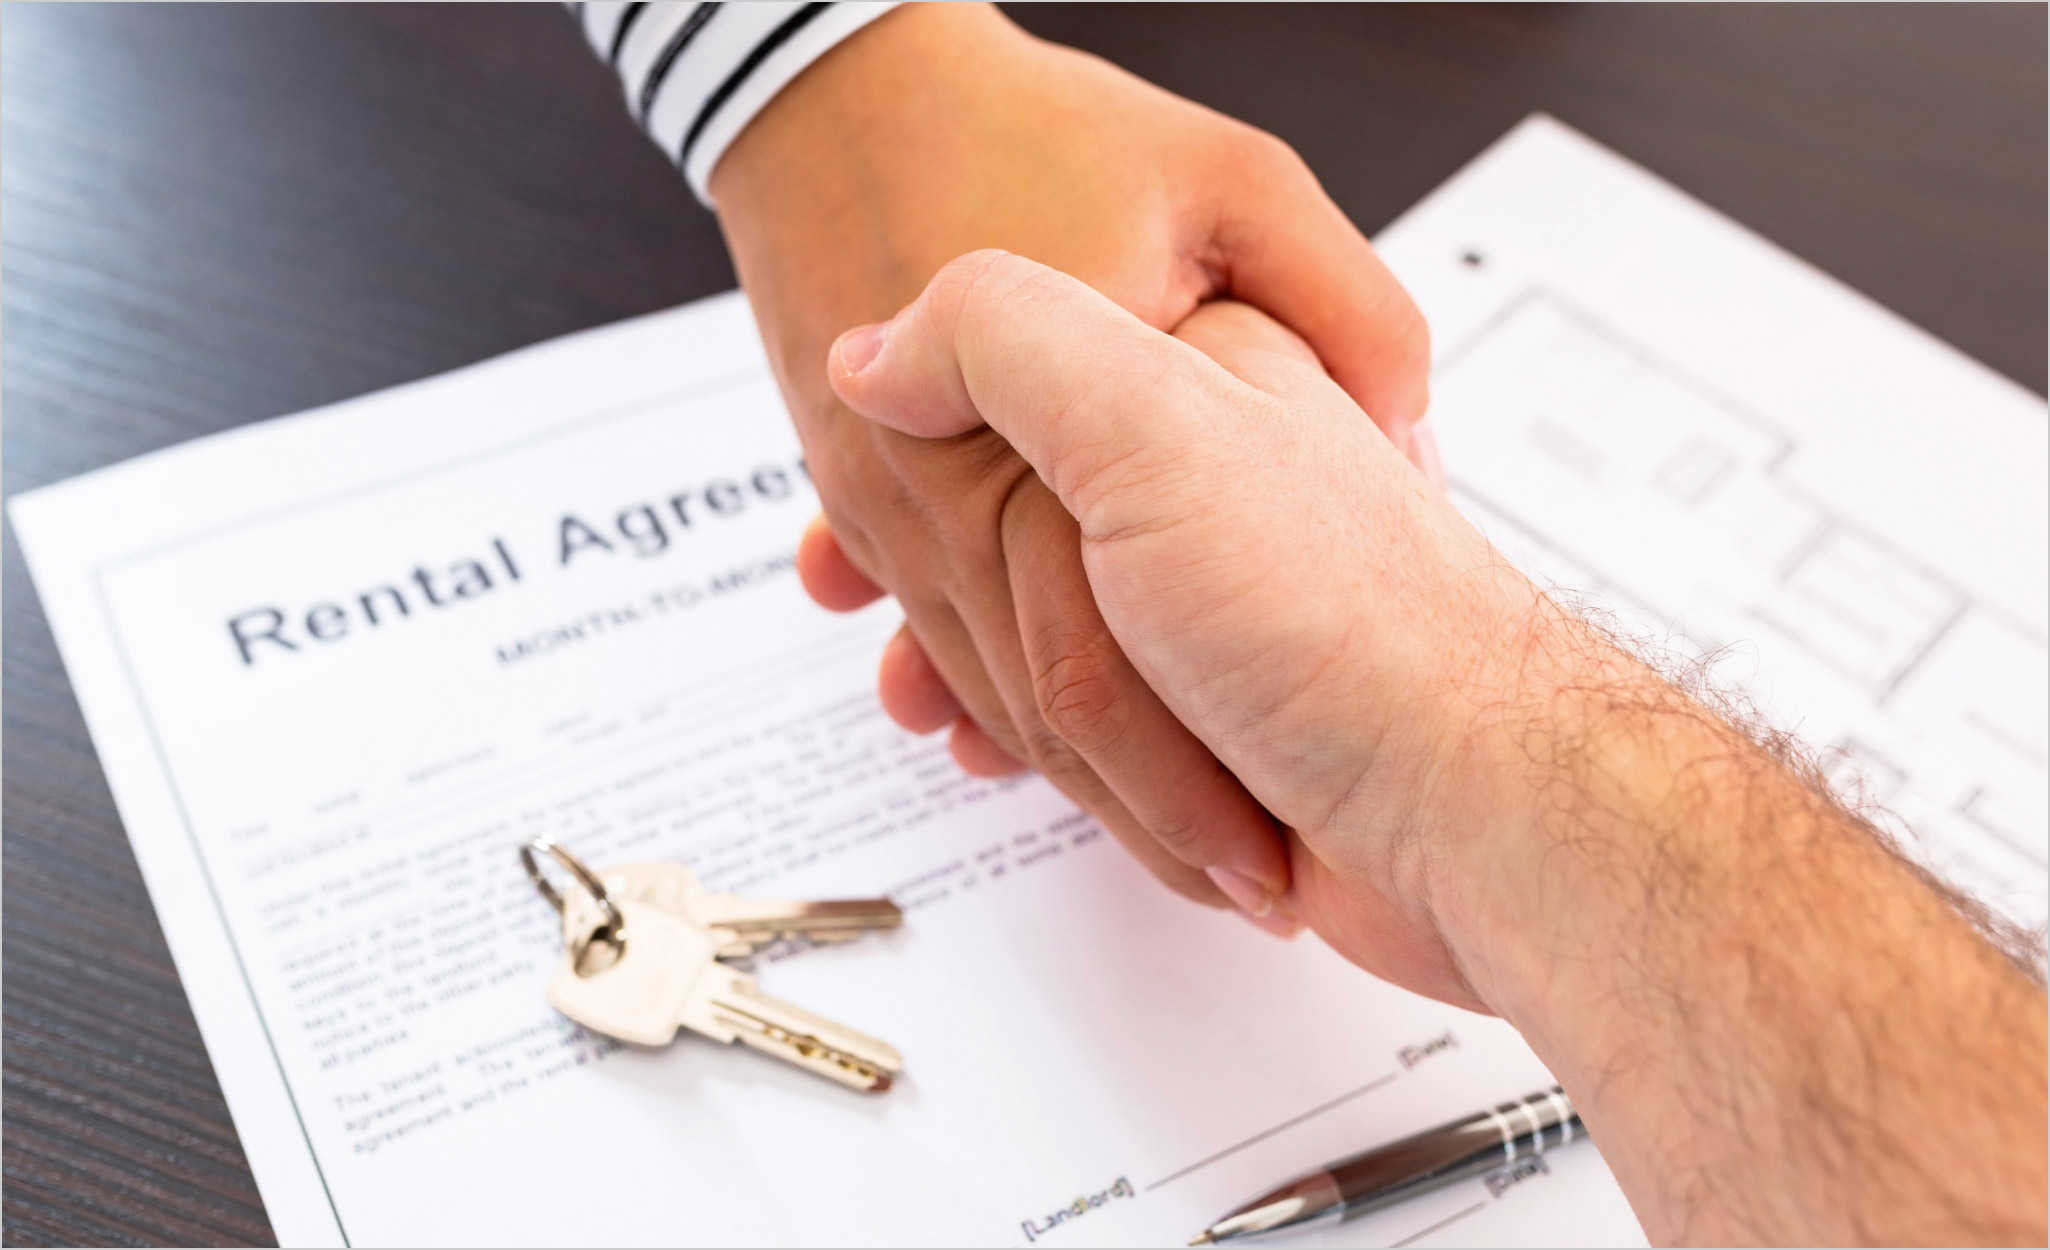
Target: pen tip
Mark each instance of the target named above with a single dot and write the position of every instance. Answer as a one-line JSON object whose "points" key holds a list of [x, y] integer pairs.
{"points": [[1203, 1239]]}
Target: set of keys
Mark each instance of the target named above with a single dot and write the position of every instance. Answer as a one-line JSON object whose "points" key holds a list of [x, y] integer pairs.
{"points": [[642, 952]]}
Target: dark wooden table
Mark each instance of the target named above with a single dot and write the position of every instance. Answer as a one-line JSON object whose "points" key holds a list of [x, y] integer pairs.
{"points": [[216, 214]]}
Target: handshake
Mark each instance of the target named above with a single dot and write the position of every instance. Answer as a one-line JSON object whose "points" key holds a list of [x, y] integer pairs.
{"points": [[1209, 584], [1261, 647]]}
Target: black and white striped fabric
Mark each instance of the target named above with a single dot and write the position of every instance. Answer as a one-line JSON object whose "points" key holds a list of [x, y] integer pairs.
{"points": [[696, 74]]}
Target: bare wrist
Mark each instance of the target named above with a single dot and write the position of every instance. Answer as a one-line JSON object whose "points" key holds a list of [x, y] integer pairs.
{"points": [[829, 192], [848, 108], [1552, 801]]}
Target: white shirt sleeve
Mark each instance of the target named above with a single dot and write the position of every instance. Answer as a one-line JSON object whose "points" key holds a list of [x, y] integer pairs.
{"points": [[695, 74]]}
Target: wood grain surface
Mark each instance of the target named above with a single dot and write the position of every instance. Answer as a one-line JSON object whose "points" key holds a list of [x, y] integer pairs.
{"points": [[214, 214]]}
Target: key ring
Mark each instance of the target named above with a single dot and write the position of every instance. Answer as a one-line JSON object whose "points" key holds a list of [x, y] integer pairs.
{"points": [[615, 924]]}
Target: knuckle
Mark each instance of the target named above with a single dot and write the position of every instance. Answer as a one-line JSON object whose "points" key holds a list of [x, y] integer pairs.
{"points": [[1074, 682], [1274, 156], [969, 270], [976, 284]]}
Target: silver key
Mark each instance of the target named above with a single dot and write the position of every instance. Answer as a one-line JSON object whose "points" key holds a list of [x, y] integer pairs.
{"points": [[751, 923], [666, 975]]}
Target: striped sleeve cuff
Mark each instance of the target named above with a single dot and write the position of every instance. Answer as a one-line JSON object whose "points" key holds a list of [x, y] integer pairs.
{"points": [[696, 74]]}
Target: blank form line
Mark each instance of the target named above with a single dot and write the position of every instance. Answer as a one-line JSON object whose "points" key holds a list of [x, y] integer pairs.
{"points": [[1255, 1140], [1450, 1219]]}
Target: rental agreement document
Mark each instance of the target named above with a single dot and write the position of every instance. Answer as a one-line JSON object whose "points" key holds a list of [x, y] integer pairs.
{"points": [[339, 665]]}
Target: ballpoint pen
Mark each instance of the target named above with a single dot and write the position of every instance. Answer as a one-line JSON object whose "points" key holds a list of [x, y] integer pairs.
{"points": [[1388, 1174]]}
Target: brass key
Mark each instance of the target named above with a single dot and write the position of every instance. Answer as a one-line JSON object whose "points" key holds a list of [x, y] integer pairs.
{"points": [[638, 964], [666, 975]]}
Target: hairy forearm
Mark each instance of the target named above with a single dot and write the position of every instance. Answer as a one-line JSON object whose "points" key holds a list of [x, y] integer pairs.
{"points": [[1779, 1030]]}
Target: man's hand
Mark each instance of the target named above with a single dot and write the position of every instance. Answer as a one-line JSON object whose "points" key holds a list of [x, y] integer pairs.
{"points": [[1777, 1029], [1296, 593], [941, 129]]}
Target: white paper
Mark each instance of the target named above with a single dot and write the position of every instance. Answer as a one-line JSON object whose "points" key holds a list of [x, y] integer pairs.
{"points": [[328, 831]]}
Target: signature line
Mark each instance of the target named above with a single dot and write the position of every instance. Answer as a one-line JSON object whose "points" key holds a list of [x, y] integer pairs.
{"points": [[1255, 1140]]}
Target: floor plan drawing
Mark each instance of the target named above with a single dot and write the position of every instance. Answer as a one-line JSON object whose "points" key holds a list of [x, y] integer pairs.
{"points": [[1656, 504]]}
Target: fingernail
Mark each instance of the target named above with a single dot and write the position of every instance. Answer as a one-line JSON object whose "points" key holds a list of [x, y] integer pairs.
{"points": [[1423, 449], [861, 345], [1277, 923], [1251, 897]]}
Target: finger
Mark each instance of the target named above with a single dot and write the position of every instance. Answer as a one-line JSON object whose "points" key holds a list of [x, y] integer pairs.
{"points": [[1268, 355], [1248, 343], [1291, 252], [1189, 882], [988, 616], [1098, 402], [978, 754], [912, 690], [1089, 694], [982, 615], [945, 642], [828, 576], [836, 554]]}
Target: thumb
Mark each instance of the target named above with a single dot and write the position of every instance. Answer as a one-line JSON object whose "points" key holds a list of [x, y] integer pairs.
{"points": [[1098, 402]]}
